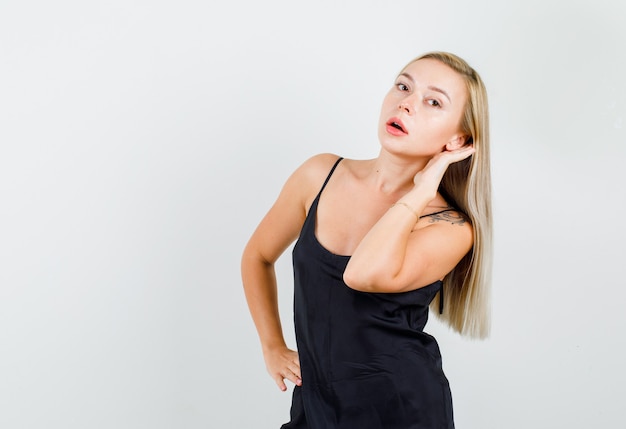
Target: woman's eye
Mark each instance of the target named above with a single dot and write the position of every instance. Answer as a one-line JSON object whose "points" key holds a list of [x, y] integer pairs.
{"points": [[434, 103], [402, 87]]}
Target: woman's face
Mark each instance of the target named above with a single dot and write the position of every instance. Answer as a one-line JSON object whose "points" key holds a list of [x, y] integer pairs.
{"points": [[421, 115]]}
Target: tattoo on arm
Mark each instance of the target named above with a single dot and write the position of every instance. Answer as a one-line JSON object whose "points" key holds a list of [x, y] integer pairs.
{"points": [[455, 218]]}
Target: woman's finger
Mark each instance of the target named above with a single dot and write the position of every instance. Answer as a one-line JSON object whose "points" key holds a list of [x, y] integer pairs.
{"points": [[280, 382], [289, 375], [295, 379], [460, 154], [295, 367]]}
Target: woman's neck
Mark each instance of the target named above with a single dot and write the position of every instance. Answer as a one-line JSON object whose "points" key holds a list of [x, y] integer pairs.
{"points": [[392, 174]]}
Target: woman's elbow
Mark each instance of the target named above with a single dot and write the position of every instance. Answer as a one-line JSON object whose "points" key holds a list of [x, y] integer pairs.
{"points": [[363, 281], [352, 280], [252, 260], [383, 281]]}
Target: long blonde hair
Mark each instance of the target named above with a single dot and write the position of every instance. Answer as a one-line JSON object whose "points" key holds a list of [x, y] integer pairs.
{"points": [[467, 186]]}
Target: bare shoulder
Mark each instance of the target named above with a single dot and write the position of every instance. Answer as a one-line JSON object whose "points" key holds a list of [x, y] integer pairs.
{"points": [[318, 165], [282, 223], [310, 175]]}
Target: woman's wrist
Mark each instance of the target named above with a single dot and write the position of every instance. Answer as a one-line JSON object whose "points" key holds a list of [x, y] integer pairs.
{"points": [[408, 207], [269, 347], [415, 200]]}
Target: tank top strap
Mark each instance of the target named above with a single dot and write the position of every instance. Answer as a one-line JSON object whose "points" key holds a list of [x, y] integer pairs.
{"points": [[332, 170], [451, 209], [441, 299]]}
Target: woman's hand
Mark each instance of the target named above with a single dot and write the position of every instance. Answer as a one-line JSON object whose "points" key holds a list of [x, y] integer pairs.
{"points": [[283, 363], [431, 175]]}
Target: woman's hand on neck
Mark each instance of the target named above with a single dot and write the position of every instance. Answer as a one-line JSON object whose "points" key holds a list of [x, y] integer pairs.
{"points": [[393, 174]]}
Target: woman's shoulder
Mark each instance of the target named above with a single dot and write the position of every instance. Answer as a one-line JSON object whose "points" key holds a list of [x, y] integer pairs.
{"points": [[313, 172], [315, 169], [320, 162], [305, 181]]}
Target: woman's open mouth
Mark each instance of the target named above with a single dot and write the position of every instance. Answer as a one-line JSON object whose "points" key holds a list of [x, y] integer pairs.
{"points": [[395, 127]]}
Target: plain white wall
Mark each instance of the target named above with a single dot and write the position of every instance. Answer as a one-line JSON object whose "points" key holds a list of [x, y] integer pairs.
{"points": [[142, 141]]}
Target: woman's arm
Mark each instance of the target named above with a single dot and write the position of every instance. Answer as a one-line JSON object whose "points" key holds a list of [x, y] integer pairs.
{"points": [[278, 229], [395, 256]]}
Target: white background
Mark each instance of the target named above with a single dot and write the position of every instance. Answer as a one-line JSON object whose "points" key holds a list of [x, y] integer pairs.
{"points": [[142, 141]]}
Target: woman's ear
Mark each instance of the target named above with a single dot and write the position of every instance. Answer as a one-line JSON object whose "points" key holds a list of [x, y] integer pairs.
{"points": [[456, 142]]}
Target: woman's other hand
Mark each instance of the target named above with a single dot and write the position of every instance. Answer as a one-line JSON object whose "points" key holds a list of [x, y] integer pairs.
{"points": [[283, 363]]}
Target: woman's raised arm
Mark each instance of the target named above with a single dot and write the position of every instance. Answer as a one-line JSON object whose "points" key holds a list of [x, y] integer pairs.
{"points": [[396, 255]]}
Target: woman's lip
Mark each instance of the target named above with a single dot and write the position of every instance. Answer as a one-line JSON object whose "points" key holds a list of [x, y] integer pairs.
{"points": [[393, 130]]}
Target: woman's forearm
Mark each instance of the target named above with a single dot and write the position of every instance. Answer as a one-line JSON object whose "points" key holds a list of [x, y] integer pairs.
{"points": [[259, 281], [378, 259]]}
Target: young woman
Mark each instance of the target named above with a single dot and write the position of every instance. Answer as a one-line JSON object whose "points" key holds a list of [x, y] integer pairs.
{"points": [[378, 242]]}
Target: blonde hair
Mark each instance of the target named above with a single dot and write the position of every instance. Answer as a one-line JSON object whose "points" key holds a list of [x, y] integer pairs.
{"points": [[467, 186]]}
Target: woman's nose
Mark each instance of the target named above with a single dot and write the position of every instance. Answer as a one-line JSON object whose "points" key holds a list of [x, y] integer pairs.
{"points": [[404, 105]]}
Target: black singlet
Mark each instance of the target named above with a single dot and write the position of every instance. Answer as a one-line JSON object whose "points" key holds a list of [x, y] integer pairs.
{"points": [[366, 362]]}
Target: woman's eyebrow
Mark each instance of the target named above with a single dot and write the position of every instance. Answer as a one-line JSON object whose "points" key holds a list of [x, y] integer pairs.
{"points": [[408, 76], [432, 88]]}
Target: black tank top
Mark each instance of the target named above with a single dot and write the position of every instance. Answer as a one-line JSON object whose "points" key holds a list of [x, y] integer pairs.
{"points": [[366, 362]]}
